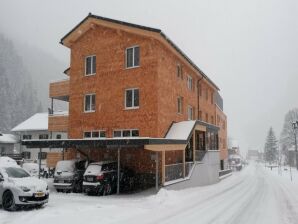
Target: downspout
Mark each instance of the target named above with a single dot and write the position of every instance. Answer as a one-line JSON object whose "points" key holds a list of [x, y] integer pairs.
{"points": [[199, 96]]}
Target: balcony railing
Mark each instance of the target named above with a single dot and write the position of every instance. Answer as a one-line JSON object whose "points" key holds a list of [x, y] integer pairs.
{"points": [[175, 171], [59, 90], [58, 122]]}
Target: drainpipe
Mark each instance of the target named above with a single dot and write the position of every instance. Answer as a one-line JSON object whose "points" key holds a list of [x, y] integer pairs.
{"points": [[199, 95]]}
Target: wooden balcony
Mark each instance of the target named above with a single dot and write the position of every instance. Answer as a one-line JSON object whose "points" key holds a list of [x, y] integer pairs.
{"points": [[58, 123], [59, 90]]}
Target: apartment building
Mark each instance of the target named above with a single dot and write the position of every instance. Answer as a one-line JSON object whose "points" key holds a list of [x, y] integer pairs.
{"points": [[135, 97]]}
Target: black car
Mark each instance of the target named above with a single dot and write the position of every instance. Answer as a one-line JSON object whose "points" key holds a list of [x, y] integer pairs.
{"points": [[100, 178], [68, 175]]}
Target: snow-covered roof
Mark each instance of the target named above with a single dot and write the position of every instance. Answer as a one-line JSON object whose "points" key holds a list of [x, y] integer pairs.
{"points": [[37, 122], [180, 130], [8, 138]]}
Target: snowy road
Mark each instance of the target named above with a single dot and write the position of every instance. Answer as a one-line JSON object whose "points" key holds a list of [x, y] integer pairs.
{"points": [[254, 195]]}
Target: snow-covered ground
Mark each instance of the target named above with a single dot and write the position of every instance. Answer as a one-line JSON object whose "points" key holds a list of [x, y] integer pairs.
{"points": [[254, 195]]}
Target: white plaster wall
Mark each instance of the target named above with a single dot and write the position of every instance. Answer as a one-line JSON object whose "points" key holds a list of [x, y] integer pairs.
{"points": [[204, 173]]}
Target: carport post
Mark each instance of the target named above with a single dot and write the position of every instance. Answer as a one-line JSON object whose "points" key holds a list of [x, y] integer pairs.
{"points": [[39, 163], [156, 172], [118, 172]]}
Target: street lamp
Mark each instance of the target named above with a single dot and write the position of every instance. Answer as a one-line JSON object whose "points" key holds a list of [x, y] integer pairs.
{"points": [[295, 127]]}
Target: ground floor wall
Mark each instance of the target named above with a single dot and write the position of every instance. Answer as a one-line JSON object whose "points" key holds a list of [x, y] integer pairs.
{"points": [[203, 173]]}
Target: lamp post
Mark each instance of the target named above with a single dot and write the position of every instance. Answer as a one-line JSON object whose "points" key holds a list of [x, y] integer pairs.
{"points": [[295, 127]]}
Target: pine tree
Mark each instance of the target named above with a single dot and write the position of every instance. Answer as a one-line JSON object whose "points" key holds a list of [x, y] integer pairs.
{"points": [[287, 137], [270, 149]]}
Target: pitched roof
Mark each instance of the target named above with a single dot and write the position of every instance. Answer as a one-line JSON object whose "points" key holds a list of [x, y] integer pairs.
{"points": [[38, 122], [155, 30], [8, 138]]}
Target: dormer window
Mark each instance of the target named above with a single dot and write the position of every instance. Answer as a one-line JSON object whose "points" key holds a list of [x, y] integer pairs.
{"points": [[90, 65], [133, 57]]}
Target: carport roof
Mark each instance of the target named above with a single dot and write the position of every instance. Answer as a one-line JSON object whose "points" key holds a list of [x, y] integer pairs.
{"points": [[98, 143]]}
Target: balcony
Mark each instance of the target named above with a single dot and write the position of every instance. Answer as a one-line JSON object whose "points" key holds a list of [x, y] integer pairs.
{"points": [[58, 122], [60, 90]]}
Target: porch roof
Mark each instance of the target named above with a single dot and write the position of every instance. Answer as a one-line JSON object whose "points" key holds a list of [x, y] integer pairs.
{"points": [[134, 142]]}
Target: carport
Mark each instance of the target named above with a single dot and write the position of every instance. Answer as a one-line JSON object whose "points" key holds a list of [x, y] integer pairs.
{"points": [[110, 144]]}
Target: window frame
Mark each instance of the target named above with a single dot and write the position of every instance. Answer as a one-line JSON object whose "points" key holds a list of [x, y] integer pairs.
{"points": [[27, 137], [130, 133], [133, 57], [43, 136], [94, 131], [133, 107], [89, 111], [92, 69], [190, 82], [181, 103], [190, 109]]}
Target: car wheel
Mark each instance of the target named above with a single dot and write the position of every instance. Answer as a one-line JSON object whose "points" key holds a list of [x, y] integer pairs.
{"points": [[8, 202], [107, 189]]}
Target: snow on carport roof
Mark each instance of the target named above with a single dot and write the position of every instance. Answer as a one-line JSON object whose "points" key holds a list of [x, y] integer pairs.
{"points": [[180, 130], [8, 138], [37, 122]]}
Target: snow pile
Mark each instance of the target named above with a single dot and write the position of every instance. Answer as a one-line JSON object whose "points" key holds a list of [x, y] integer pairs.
{"points": [[7, 162]]}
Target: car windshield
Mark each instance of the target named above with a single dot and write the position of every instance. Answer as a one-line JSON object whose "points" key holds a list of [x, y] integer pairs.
{"points": [[16, 172], [66, 166], [93, 169]]}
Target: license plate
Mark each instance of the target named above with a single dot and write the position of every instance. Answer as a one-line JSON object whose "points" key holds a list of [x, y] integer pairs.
{"points": [[60, 181], [39, 194], [90, 179]]}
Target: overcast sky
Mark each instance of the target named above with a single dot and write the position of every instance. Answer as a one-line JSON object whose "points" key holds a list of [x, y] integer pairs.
{"points": [[248, 48]]}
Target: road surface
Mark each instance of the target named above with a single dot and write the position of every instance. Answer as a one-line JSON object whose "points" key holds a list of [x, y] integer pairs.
{"points": [[254, 195]]}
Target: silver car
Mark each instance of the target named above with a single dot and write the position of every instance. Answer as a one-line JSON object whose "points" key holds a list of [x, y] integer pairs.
{"points": [[19, 189]]}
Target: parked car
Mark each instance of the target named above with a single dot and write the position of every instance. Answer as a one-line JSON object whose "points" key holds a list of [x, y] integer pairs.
{"points": [[68, 175], [19, 189], [31, 168], [100, 178]]}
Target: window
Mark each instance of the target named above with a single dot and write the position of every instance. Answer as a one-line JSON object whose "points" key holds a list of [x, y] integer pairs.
{"points": [[58, 136], [90, 65], [190, 113], [43, 136], [189, 82], [131, 98], [212, 98], [95, 134], [27, 137], [212, 120], [179, 71], [132, 57], [26, 155], [43, 155], [206, 94], [179, 105], [126, 133], [207, 117], [89, 103]]}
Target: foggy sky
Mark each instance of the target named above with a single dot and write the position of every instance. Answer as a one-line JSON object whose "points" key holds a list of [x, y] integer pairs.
{"points": [[248, 48]]}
